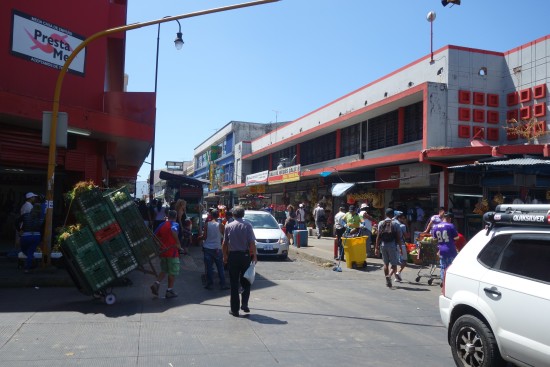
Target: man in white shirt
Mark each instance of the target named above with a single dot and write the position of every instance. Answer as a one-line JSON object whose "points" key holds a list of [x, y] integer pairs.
{"points": [[366, 226], [339, 228], [301, 217], [29, 203]]}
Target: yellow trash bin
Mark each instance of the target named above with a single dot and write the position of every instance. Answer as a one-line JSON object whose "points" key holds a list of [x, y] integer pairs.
{"points": [[355, 251]]}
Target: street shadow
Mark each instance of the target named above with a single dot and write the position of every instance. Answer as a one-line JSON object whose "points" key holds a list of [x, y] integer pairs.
{"points": [[266, 320]]}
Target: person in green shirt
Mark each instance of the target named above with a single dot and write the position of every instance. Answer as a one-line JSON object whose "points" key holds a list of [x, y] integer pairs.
{"points": [[352, 220]]}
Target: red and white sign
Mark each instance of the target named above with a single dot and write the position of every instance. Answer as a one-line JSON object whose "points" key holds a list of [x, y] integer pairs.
{"points": [[259, 178], [47, 44]]}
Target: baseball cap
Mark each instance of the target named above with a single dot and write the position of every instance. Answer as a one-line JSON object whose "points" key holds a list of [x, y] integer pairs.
{"points": [[448, 215], [364, 205], [389, 212], [301, 205], [397, 213], [30, 195], [351, 208]]}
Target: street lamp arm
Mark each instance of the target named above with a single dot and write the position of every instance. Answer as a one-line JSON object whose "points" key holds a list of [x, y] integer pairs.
{"points": [[57, 92]]}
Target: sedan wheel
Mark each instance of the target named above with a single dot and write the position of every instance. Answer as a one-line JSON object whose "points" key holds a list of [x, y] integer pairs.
{"points": [[473, 344]]}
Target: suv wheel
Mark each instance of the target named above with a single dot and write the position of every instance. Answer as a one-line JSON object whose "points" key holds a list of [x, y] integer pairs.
{"points": [[473, 343]]}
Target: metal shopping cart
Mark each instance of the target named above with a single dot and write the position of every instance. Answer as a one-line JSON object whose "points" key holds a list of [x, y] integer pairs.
{"points": [[429, 259]]}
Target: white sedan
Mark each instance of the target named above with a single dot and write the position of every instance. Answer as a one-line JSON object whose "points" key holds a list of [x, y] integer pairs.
{"points": [[271, 241]]}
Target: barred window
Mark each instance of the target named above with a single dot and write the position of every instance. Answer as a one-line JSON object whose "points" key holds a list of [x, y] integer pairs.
{"points": [[413, 122], [319, 149], [287, 153], [260, 164], [350, 140], [382, 131]]}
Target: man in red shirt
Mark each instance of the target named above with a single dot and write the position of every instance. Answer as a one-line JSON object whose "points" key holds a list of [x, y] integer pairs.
{"points": [[167, 233]]}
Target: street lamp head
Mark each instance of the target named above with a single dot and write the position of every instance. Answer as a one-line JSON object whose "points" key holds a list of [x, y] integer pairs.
{"points": [[178, 41]]}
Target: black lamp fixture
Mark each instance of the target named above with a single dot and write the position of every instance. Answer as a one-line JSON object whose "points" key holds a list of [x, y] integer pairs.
{"points": [[178, 42], [452, 2]]}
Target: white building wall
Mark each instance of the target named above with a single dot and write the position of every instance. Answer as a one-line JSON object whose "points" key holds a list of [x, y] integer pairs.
{"points": [[458, 69]]}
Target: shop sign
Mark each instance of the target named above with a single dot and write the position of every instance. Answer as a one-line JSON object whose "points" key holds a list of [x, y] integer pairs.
{"points": [[402, 177], [259, 178], [419, 175], [282, 175], [258, 189], [45, 43]]}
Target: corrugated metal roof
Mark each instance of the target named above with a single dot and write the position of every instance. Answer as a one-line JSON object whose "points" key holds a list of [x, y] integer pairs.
{"points": [[507, 162]]}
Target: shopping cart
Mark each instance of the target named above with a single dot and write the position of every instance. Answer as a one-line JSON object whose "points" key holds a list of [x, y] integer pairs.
{"points": [[429, 261]]}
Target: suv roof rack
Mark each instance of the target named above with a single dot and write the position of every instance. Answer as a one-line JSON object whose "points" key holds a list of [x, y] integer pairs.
{"points": [[523, 208], [518, 215]]}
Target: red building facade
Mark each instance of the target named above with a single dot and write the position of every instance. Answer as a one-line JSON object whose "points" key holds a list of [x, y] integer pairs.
{"points": [[118, 125]]}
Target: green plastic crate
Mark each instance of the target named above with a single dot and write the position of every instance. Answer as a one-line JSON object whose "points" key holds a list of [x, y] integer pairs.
{"points": [[144, 250], [89, 199], [115, 247], [123, 264], [119, 199], [98, 217], [99, 276]]}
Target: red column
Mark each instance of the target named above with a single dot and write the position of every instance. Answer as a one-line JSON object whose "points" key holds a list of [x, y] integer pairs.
{"points": [[298, 154], [401, 125]]}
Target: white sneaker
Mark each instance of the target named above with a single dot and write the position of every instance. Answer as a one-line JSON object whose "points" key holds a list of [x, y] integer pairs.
{"points": [[398, 277]]}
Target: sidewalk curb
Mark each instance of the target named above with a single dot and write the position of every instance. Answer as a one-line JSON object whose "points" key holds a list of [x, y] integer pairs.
{"points": [[298, 252]]}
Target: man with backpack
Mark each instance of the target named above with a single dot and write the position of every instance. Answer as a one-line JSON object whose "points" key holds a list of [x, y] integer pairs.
{"points": [[389, 237]]}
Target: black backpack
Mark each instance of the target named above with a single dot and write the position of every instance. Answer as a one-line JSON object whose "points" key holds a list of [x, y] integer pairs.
{"points": [[387, 233]]}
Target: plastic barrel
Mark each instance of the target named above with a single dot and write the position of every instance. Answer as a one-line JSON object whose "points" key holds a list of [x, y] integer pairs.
{"points": [[300, 237], [355, 251]]}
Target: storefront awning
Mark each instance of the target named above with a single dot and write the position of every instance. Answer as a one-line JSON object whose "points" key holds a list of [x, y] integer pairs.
{"points": [[517, 165], [190, 181], [340, 189]]}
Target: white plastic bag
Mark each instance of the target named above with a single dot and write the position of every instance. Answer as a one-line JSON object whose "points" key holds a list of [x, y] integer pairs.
{"points": [[250, 273]]}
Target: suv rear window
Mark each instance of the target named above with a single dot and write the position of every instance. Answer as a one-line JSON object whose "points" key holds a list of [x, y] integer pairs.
{"points": [[524, 255]]}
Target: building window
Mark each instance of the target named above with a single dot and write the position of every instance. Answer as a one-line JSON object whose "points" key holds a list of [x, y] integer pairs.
{"points": [[350, 140], [260, 164], [319, 149], [287, 153], [382, 131], [228, 174], [413, 122]]}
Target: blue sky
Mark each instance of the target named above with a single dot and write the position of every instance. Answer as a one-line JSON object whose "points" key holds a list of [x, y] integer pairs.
{"points": [[282, 60]]}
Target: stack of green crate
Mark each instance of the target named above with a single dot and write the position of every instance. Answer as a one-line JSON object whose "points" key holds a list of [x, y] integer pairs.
{"points": [[133, 227], [94, 211], [119, 255], [87, 261]]}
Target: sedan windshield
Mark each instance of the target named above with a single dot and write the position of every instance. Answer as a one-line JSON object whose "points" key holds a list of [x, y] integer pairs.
{"points": [[265, 221]]}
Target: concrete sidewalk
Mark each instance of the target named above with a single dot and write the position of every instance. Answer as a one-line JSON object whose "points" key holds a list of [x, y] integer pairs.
{"points": [[321, 251]]}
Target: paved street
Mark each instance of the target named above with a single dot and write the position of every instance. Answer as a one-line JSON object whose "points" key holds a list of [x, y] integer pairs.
{"points": [[303, 314]]}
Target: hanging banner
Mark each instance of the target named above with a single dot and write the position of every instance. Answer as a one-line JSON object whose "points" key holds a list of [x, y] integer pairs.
{"points": [[259, 178], [45, 43], [287, 174]]}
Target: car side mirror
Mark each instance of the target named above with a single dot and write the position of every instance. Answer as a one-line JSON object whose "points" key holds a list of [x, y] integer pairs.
{"points": [[281, 225]]}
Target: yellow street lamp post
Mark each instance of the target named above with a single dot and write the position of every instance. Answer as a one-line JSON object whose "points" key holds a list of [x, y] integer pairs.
{"points": [[57, 92]]}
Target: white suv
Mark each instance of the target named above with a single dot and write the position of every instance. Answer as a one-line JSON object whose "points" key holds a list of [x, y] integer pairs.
{"points": [[495, 300]]}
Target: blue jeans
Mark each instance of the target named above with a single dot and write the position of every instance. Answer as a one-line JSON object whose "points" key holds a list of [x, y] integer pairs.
{"points": [[445, 262], [210, 257], [29, 243]]}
